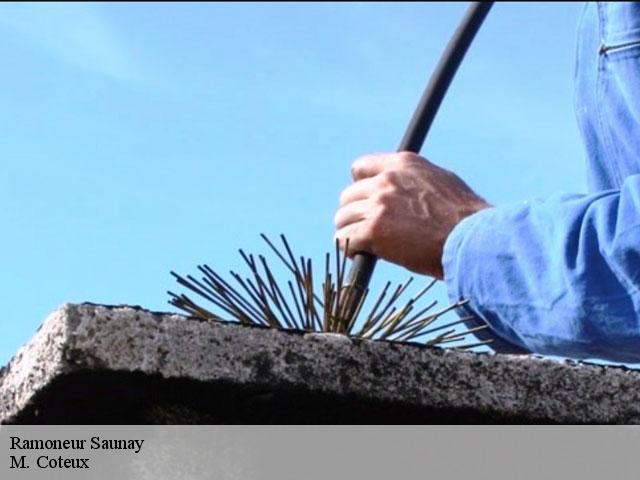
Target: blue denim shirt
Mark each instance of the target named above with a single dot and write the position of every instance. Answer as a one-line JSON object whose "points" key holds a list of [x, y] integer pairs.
{"points": [[561, 276]]}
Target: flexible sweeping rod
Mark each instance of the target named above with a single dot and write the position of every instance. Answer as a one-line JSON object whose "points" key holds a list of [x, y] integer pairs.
{"points": [[364, 263]]}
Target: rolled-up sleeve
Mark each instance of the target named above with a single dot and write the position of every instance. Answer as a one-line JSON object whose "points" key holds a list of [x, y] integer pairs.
{"points": [[558, 276]]}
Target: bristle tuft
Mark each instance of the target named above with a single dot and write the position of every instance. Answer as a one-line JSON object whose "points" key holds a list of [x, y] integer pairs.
{"points": [[259, 300]]}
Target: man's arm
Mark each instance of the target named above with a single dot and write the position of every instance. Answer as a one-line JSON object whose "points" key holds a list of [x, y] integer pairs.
{"points": [[558, 277]]}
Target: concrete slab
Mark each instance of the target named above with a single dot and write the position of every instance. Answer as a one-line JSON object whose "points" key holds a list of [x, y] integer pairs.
{"points": [[118, 364]]}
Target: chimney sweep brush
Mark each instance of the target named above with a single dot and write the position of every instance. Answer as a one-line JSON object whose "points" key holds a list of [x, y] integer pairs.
{"points": [[257, 299]]}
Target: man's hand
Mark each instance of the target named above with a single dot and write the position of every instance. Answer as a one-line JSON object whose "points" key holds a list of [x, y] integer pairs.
{"points": [[402, 208]]}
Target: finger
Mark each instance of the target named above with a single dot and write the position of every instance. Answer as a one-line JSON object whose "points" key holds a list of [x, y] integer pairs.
{"points": [[351, 213], [360, 190], [369, 165], [356, 233]]}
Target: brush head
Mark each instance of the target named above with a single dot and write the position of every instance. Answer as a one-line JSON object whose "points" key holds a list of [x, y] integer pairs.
{"points": [[257, 299]]}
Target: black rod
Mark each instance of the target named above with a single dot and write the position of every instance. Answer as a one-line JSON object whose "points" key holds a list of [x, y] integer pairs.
{"points": [[363, 262]]}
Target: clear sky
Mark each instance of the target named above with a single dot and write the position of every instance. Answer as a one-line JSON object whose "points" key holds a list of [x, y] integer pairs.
{"points": [[141, 138]]}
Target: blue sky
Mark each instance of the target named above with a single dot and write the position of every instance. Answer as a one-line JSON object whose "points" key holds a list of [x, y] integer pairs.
{"points": [[141, 138]]}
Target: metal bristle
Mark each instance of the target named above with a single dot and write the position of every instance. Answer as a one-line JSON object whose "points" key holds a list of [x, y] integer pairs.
{"points": [[257, 299]]}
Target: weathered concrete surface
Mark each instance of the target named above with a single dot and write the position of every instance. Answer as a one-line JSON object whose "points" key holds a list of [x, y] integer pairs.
{"points": [[99, 364]]}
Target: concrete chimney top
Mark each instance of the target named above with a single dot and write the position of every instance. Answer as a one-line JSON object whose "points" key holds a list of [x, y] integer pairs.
{"points": [[118, 364]]}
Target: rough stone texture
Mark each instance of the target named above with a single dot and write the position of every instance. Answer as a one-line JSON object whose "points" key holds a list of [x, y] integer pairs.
{"points": [[98, 364]]}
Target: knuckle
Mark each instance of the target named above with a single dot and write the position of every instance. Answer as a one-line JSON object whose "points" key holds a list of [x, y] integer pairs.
{"points": [[383, 211], [384, 198], [354, 169], [387, 195], [405, 159], [389, 178], [359, 163]]}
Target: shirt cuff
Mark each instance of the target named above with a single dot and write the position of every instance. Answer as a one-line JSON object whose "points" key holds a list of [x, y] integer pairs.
{"points": [[451, 253], [453, 256]]}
